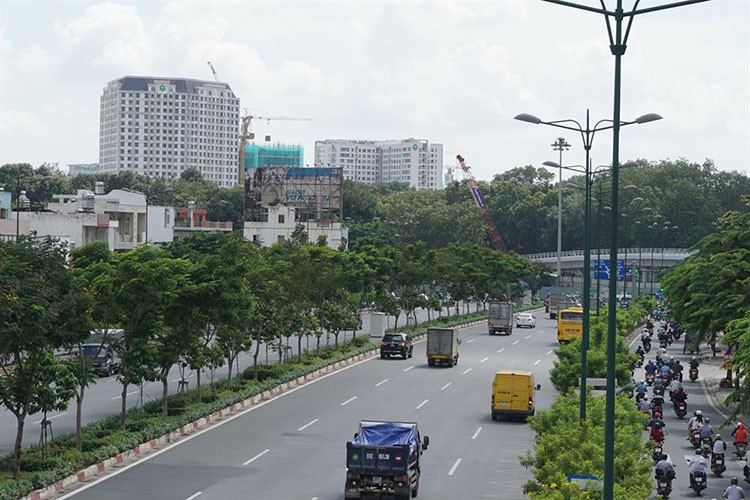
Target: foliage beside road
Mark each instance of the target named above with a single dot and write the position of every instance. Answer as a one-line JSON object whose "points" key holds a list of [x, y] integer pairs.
{"points": [[567, 370], [708, 293]]}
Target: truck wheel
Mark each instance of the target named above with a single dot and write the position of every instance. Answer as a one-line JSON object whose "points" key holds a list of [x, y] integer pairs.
{"points": [[415, 490], [430, 362], [382, 356]]}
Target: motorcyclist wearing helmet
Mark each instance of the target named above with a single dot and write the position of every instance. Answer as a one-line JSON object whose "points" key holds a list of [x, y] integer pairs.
{"points": [[707, 431], [695, 362], [665, 468], [679, 397], [650, 367], [694, 423], [739, 433], [643, 405], [698, 463], [733, 491], [677, 370]]}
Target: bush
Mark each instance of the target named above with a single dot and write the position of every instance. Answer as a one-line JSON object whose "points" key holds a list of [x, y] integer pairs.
{"points": [[12, 490]]}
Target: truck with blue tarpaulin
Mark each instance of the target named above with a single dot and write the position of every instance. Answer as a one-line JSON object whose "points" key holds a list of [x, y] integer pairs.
{"points": [[384, 459]]}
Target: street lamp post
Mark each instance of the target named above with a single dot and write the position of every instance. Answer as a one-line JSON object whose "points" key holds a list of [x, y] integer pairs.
{"points": [[618, 44], [587, 136], [605, 208], [559, 145]]}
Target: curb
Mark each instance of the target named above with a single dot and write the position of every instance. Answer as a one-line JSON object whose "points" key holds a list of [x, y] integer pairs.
{"points": [[144, 449]]}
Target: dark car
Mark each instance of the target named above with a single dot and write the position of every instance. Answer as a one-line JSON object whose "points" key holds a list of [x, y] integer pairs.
{"points": [[396, 343]]}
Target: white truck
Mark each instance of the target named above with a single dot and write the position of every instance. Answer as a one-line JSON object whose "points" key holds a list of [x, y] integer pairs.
{"points": [[500, 318], [442, 346]]}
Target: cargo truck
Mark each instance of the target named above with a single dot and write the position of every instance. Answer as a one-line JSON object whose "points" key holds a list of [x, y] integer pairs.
{"points": [[384, 459], [557, 302], [500, 318], [442, 346]]}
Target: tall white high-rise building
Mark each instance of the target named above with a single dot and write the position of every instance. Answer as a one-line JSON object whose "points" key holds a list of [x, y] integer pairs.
{"points": [[159, 127], [413, 161]]}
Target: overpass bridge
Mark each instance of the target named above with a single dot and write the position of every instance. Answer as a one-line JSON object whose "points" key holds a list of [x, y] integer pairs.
{"points": [[649, 261]]}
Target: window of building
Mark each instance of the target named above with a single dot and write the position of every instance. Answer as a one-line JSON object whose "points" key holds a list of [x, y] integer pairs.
{"points": [[281, 218]]}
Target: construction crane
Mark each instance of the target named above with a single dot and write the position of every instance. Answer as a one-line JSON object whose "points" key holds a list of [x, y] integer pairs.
{"points": [[216, 77], [248, 134], [489, 222]]}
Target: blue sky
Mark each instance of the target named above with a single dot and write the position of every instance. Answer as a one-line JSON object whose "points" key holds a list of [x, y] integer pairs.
{"points": [[450, 72]]}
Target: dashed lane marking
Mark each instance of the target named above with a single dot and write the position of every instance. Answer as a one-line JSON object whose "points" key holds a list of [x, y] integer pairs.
{"points": [[381, 383], [311, 422], [348, 401], [466, 371], [455, 466], [476, 433], [420, 405], [445, 386], [485, 359], [256, 457]]}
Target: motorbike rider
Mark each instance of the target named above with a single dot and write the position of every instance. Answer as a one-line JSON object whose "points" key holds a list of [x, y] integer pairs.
{"points": [[665, 468], [739, 433], [674, 386], [657, 401], [695, 362], [698, 463], [650, 367], [641, 389], [643, 405], [665, 370], [677, 370], [695, 422], [645, 338], [661, 352], [707, 431], [679, 397], [733, 491], [657, 432]]}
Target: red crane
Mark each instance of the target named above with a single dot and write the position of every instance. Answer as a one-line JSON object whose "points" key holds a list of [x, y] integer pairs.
{"points": [[489, 222]]}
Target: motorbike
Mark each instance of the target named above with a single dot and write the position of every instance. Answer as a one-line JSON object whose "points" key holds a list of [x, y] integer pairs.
{"points": [[657, 412], [659, 390], [681, 409], [656, 454], [706, 446], [639, 363], [717, 464], [650, 378], [740, 447], [695, 438], [663, 485], [698, 483], [693, 373], [647, 346], [639, 396]]}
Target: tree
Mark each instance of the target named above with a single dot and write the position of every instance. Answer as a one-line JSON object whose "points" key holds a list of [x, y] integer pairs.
{"points": [[35, 288]]}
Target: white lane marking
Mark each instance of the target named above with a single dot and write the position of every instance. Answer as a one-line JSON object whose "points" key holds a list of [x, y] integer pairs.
{"points": [[466, 371], [407, 369], [445, 386], [178, 379], [549, 352], [197, 433], [307, 425], [500, 350], [516, 342], [381, 382], [194, 495], [128, 394], [476, 433], [485, 359], [470, 341], [455, 466], [527, 337], [420, 405], [50, 418], [537, 362], [314, 498], [541, 331], [348, 401], [256, 457]]}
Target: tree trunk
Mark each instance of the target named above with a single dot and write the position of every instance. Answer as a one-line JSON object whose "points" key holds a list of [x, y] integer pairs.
{"points": [[20, 418], [255, 357], [198, 384], [165, 391], [123, 403], [317, 343], [230, 358], [336, 338], [79, 410]]}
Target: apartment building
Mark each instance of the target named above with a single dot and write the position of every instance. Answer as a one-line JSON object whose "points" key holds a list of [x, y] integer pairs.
{"points": [[416, 162], [159, 127]]}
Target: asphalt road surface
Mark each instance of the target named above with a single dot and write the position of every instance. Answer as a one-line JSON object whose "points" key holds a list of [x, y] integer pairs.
{"points": [[293, 447], [676, 445]]}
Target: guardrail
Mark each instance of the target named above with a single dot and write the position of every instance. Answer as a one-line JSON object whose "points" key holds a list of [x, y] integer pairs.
{"points": [[605, 252]]}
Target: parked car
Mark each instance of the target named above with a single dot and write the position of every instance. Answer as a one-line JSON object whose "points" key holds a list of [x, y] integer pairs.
{"points": [[396, 344], [527, 320]]}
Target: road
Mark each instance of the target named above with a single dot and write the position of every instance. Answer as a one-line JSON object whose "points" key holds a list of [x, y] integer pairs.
{"points": [[676, 444], [103, 398], [293, 447]]}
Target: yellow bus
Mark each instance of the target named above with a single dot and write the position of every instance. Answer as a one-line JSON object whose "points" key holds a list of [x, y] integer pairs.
{"points": [[569, 324]]}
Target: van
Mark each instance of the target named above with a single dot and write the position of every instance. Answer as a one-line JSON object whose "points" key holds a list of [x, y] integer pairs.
{"points": [[105, 360], [513, 393]]}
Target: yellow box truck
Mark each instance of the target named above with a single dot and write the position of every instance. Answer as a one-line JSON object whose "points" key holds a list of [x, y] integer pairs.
{"points": [[513, 394]]}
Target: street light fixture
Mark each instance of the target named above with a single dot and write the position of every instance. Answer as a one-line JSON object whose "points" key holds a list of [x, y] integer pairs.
{"points": [[587, 135], [617, 44]]}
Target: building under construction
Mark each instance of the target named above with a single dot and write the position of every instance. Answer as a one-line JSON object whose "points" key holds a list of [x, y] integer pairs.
{"points": [[280, 198]]}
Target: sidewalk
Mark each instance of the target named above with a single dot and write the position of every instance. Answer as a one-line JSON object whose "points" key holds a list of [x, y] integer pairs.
{"points": [[710, 375]]}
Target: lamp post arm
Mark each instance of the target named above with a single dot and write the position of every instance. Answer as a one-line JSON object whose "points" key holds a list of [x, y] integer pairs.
{"points": [[662, 7], [582, 7]]}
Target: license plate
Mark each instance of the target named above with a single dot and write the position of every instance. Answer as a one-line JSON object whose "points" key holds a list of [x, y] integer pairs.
{"points": [[377, 479], [502, 403]]}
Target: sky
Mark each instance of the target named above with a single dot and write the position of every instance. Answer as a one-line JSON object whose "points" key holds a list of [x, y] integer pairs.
{"points": [[452, 72]]}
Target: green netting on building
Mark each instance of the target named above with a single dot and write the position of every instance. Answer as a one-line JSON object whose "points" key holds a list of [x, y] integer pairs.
{"points": [[273, 156]]}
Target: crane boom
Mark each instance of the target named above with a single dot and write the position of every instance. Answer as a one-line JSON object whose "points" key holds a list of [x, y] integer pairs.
{"points": [[489, 222]]}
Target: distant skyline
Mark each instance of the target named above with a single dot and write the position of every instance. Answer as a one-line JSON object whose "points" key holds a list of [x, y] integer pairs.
{"points": [[454, 73]]}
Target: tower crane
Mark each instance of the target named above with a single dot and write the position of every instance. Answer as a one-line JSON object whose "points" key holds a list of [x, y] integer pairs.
{"points": [[489, 222], [216, 77], [248, 134]]}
